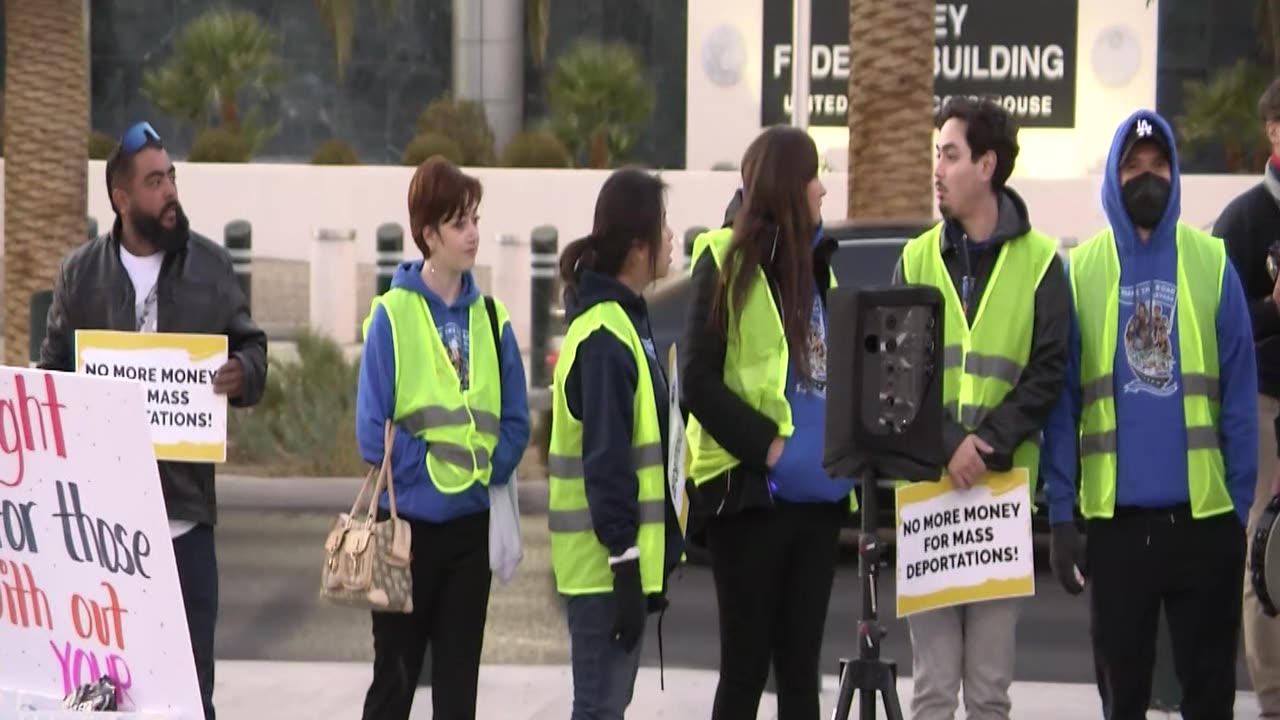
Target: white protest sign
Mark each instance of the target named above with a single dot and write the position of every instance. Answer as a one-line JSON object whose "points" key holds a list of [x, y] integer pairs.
{"points": [[188, 420], [677, 461], [88, 583], [963, 546]]}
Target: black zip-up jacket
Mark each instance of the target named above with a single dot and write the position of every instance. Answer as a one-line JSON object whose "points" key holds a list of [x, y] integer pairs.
{"points": [[742, 430], [197, 292], [1025, 409], [600, 390], [1249, 225]]}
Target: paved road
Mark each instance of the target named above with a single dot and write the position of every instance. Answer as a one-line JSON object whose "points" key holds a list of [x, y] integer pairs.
{"points": [[270, 610]]}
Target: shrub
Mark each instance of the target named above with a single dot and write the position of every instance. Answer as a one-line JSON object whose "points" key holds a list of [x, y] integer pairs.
{"points": [[219, 145], [464, 122], [100, 145], [334, 152], [305, 423], [428, 144], [536, 149]]}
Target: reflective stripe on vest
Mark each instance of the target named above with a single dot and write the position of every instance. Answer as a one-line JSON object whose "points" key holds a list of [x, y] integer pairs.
{"points": [[460, 428], [982, 362], [755, 363], [1095, 288], [578, 560]]}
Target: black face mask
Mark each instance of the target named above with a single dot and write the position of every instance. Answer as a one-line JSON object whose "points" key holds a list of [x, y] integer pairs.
{"points": [[1145, 198], [162, 238]]}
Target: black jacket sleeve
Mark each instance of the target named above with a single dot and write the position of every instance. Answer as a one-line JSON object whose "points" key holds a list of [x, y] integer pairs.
{"points": [[600, 391], [55, 350], [1025, 409], [953, 433], [1250, 260], [247, 343], [736, 426]]}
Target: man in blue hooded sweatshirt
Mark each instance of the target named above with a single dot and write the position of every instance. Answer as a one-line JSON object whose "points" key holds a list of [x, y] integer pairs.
{"points": [[1159, 404]]}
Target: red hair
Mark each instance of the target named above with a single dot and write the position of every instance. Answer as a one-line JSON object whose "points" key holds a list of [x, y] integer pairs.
{"points": [[438, 193]]}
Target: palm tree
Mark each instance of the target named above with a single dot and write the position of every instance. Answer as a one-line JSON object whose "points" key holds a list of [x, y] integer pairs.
{"points": [[537, 22], [599, 99], [46, 103], [890, 109], [215, 58], [339, 17]]}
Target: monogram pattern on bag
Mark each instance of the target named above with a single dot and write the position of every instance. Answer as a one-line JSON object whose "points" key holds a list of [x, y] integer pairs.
{"points": [[363, 571]]}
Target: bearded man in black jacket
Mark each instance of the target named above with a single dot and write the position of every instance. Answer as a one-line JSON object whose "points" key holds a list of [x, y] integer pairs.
{"points": [[150, 273]]}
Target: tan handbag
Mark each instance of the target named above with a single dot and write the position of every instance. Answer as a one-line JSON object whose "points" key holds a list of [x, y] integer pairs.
{"points": [[366, 562]]}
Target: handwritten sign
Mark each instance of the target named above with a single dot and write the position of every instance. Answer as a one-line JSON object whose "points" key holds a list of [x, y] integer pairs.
{"points": [[188, 420], [963, 546], [88, 581]]}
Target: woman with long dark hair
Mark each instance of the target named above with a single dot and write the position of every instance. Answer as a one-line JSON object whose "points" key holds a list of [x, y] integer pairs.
{"points": [[614, 534], [754, 383]]}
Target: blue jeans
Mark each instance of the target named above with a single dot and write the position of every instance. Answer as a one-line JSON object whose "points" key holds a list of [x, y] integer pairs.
{"points": [[603, 674]]}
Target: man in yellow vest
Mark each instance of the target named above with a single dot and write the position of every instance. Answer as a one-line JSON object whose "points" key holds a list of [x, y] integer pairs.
{"points": [[1160, 407], [1006, 342]]}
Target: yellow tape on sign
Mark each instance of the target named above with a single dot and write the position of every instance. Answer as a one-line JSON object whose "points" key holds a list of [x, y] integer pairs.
{"points": [[959, 546]]}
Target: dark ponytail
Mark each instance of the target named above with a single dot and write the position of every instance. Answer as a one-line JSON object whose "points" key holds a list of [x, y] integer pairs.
{"points": [[578, 255], [628, 210]]}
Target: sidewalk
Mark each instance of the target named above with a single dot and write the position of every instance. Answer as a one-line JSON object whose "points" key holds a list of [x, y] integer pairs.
{"points": [[320, 691]]}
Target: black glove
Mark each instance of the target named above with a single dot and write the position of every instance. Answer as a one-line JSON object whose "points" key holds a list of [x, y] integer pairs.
{"points": [[1066, 555], [629, 603]]}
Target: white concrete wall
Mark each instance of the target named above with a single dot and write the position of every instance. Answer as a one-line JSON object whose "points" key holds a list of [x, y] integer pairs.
{"points": [[723, 118]]}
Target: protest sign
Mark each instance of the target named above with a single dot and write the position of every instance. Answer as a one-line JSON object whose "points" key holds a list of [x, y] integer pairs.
{"points": [[188, 420], [677, 468], [88, 583], [962, 546]]}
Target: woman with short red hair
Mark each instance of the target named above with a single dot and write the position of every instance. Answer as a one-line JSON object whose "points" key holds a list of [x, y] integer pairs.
{"points": [[441, 361]]}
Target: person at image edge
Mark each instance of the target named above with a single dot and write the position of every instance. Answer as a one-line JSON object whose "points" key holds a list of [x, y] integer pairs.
{"points": [[151, 273]]}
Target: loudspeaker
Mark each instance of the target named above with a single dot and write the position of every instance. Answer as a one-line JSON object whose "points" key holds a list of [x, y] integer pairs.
{"points": [[884, 382]]}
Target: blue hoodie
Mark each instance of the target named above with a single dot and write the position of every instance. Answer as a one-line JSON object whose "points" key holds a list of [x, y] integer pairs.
{"points": [[416, 496], [1151, 455], [799, 476]]}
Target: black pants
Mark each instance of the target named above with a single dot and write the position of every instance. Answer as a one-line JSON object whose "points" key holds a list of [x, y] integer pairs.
{"points": [[773, 571], [1142, 559], [197, 564], [450, 602]]}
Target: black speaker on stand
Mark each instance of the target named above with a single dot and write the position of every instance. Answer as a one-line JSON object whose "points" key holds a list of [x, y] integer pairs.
{"points": [[884, 422]]}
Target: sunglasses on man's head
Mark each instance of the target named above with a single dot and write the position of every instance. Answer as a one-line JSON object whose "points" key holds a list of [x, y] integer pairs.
{"points": [[137, 136]]}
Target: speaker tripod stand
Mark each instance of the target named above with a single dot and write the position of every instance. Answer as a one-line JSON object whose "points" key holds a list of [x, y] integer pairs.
{"points": [[868, 674]]}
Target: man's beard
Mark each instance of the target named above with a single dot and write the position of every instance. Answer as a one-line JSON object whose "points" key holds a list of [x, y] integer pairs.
{"points": [[164, 239]]}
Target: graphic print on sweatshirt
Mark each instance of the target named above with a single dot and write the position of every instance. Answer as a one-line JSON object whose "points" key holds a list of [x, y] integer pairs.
{"points": [[456, 341], [1148, 347], [817, 385]]}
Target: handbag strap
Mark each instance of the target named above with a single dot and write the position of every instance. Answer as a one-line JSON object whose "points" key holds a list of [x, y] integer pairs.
{"points": [[385, 476]]}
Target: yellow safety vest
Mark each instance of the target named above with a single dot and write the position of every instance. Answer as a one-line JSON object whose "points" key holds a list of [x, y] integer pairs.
{"points": [[1095, 288], [578, 560], [983, 362], [459, 428], [755, 364]]}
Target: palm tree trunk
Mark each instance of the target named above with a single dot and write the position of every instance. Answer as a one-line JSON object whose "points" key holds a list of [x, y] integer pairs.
{"points": [[1272, 8], [890, 109], [46, 105]]}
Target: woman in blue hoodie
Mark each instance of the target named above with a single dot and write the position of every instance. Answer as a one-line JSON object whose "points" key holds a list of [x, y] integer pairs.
{"points": [[754, 383], [614, 533], [442, 362]]}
